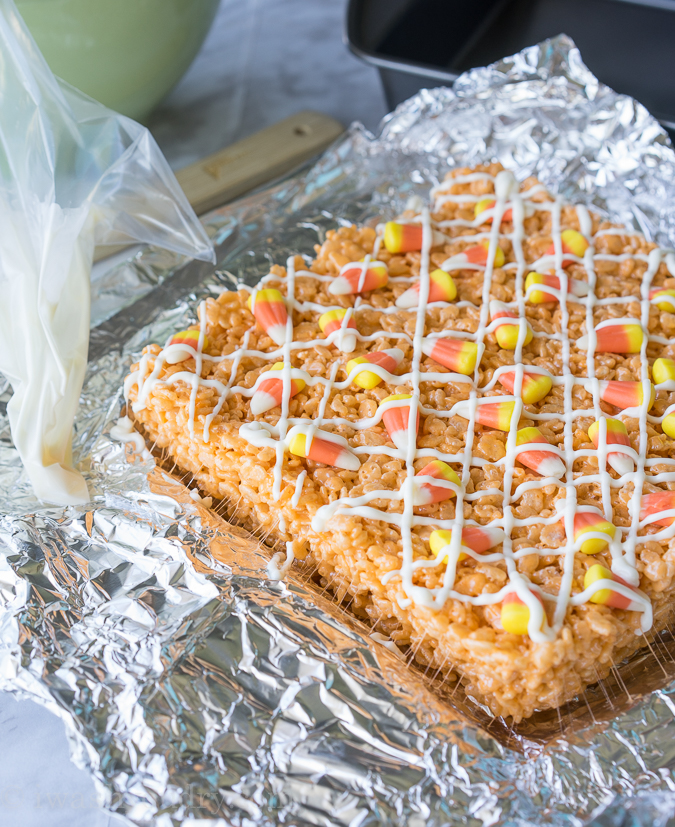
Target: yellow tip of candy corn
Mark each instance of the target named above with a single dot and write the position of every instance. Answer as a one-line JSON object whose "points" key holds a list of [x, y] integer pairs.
{"points": [[269, 294], [499, 257], [668, 425], [507, 335], [595, 573], [663, 370], [297, 445], [439, 541], [515, 615], [482, 205], [574, 242]]}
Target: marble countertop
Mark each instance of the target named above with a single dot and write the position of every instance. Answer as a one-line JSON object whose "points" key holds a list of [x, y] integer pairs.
{"points": [[262, 61]]}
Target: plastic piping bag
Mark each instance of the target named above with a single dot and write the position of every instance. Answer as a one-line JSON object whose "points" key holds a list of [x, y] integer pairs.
{"points": [[72, 174]]}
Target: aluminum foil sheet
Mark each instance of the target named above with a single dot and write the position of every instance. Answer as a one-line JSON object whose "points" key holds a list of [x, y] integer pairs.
{"points": [[199, 692]]}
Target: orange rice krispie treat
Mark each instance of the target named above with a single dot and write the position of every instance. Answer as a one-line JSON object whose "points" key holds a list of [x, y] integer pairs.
{"points": [[453, 418]]}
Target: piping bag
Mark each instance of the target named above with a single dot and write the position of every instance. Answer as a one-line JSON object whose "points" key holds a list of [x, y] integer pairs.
{"points": [[73, 174]]}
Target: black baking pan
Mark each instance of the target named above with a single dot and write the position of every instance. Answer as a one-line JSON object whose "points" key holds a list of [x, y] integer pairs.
{"points": [[627, 44]]}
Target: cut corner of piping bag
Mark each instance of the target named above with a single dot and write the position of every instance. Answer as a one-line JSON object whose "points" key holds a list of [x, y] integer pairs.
{"points": [[58, 485]]}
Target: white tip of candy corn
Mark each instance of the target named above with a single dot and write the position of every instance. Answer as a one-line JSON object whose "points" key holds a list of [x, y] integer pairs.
{"points": [[621, 463], [577, 288], [345, 343], [277, 333], [582, 342], [261, 401], [340, 286], [173, 357], [408, 299], [400, 440], [462, 408], [551, 466]]}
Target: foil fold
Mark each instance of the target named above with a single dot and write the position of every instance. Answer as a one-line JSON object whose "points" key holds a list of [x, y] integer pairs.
{"points": [[197, 691]]}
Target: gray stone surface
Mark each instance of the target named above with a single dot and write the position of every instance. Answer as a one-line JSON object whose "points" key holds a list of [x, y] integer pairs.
{"points": [[263, 60]]}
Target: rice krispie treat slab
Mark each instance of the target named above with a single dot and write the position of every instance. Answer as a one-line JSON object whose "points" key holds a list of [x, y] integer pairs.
{"points": [[452, 419]]}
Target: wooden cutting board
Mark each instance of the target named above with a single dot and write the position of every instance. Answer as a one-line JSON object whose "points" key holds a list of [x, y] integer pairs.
{"points": [[261, 157]]}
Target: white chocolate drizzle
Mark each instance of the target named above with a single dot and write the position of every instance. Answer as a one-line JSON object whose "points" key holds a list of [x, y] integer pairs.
{"points": [[262, 434]]}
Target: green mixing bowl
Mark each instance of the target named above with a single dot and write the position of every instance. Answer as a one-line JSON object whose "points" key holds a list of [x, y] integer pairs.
{"points": [[127, 54]]}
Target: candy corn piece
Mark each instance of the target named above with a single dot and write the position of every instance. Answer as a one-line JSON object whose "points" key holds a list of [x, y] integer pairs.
{"points": [[486, 204], [657, 502], [507, 334], [326, 448], [543, 462], [625, 394], [269, 309], [357, 278], [270, 391], [515, 615], [663, 370], [573, 243], [607, 596], [397, 419], [441, 289], [668, 425], [492, 414], [478, 538], [481, 538], [663, 298], [457, 354], [592, 521], [389, 360], [615, 337], [405, 238], [426, 493], [616, 435], [534, 388], [189, 339], [331, 321], [477, 254], [574, 287]]}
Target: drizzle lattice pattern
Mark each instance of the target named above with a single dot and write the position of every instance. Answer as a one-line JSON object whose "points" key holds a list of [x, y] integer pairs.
{"points": [[650, 470]]}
